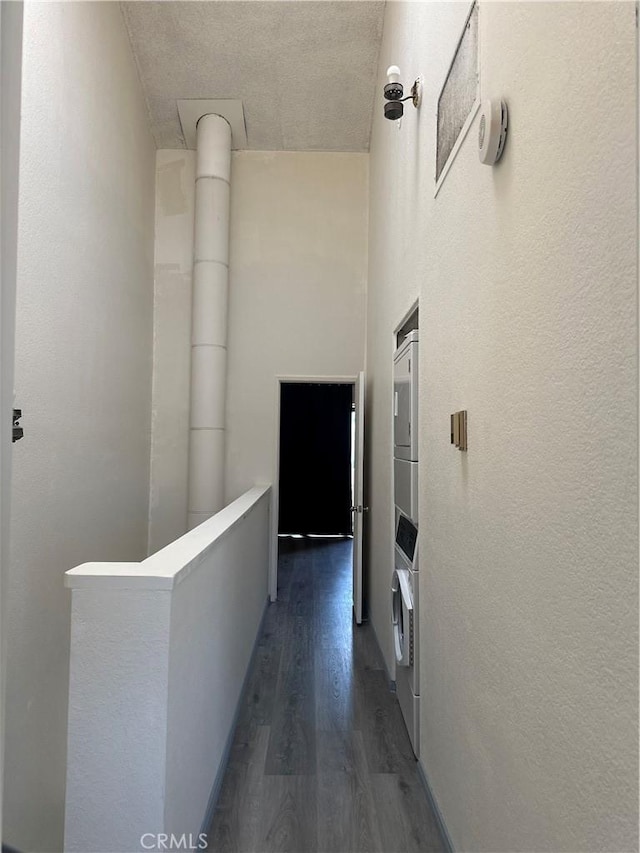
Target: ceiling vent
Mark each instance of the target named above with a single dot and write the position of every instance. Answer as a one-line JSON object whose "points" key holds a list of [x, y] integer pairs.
{"points": [[191, 110]]}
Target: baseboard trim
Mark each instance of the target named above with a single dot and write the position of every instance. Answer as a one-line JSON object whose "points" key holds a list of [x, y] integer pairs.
{"points": [[445, 838], [224, 761]]}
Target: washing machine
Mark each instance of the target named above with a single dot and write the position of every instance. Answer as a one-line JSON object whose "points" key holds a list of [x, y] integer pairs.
{"points": [[404, 610]]}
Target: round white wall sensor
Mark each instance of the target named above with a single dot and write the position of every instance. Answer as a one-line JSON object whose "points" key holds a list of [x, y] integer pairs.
{"points": [[492, 133]]}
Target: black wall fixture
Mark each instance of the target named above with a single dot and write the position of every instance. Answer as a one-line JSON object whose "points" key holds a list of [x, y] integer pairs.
{"points": [[315, 458], [18, 431]]}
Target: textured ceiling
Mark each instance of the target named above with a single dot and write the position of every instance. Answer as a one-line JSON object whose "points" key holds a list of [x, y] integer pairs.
{"points": [[304, 70]]}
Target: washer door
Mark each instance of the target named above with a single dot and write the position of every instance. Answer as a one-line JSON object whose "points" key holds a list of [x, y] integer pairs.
{"points": [[402, 617]]}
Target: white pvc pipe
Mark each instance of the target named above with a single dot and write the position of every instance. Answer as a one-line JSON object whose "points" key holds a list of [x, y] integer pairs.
{"points": [[209, 319]]}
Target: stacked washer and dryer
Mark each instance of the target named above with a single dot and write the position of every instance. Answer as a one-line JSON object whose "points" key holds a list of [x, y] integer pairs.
{"points": [[404, 584]]}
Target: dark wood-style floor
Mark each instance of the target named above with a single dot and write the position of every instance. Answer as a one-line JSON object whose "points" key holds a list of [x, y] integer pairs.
{"points": [[321, 760]]}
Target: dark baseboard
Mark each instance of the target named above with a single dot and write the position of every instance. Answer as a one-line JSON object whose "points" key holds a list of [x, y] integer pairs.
{"points": [[217, 784], [443, 832], [445, 838], [390, 681]]}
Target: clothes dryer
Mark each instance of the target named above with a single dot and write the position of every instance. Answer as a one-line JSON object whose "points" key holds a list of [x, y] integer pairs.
{"points": [[405, 426]]}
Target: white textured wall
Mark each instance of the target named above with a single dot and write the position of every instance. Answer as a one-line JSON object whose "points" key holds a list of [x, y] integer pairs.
{"points": [[297, 298], [118, 687], [528, 283], [10, 90], [83, 370], [297, 295], [175, 199]]}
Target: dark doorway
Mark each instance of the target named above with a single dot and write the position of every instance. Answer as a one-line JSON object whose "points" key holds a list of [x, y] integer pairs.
{"points": [[315, 458]]}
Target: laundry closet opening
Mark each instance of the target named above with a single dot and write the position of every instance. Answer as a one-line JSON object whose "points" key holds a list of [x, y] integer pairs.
{"points": [[316, 471]]}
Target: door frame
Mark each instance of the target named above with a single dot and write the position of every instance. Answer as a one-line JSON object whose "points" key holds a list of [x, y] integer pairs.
{"points": [[414, 306], [275, 490]]}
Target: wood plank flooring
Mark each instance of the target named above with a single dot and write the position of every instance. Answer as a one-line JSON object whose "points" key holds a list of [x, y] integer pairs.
{"points": [[321, 760]]}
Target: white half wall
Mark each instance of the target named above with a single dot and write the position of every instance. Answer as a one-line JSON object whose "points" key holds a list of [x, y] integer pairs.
{"points": [[83, 371], [215, 617], [159, 654], [297, 297], [527, 279]]}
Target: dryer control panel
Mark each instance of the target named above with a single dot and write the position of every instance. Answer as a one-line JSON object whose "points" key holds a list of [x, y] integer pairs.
{"points": [[406, 544]]}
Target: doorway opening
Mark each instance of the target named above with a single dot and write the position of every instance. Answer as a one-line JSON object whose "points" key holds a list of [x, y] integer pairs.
{"points": [[318, 491], [316, 465], [316, 459]]}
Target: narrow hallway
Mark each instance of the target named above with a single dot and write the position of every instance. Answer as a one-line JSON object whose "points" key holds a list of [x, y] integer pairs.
{"points": [[321, 760]]}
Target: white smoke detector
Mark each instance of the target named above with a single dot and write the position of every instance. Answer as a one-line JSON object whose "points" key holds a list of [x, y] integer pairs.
{"points": [[492, 132]]}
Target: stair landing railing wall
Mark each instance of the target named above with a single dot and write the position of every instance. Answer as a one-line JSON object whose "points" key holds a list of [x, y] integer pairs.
{"points": [[159, 654]]}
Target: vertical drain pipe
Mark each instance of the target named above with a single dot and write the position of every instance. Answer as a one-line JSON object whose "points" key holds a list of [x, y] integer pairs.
{"points": [[209, 319]]}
